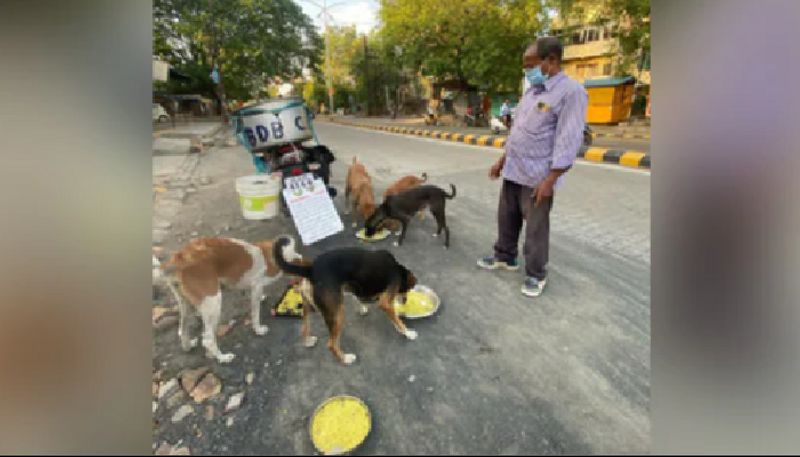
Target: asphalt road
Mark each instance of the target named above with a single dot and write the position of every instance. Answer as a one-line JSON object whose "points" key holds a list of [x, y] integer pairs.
{"points": [[494, 372], [605, 142]]}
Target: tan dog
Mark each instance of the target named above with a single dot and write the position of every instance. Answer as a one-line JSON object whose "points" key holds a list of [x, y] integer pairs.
{"points": [[404, 183], [401, 185], [359, 185], [203, 265]]}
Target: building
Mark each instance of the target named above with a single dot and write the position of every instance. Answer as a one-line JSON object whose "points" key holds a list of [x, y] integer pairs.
{"points": [[591, 53], [160, 70], [591, 48]]}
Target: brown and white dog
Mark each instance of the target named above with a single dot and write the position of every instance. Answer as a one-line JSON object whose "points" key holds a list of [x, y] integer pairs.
{"points": [[359, 185], [203, 265], [401, 185]]}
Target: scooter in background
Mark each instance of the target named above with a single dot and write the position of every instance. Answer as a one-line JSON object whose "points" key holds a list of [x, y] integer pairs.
{"points": [[474, 117], [498, 126]]}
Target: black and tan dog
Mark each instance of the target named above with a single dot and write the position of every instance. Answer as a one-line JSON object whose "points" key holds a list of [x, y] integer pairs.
{"points": [[403, 206], [366, 274]]}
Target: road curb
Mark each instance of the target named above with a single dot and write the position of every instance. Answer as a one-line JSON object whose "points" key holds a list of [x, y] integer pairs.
{"points": [[623, 136], [627, 158]]}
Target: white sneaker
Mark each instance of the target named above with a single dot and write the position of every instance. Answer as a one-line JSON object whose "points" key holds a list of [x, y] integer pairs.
{"points": [[533, 287]]}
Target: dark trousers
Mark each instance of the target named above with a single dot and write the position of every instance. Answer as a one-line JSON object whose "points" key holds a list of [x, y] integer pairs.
{"points": [[517, 205]]}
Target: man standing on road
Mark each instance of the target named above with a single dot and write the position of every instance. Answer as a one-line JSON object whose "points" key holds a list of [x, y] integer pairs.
{"points": [[544, 141], [505, 113]]}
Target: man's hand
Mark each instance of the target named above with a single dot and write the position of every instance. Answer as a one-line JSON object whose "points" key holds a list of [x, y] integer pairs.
{"points": [[545, 188], [494, 172]]}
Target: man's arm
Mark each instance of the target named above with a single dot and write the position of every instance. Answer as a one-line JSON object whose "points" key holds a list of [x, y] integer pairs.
{"points": [[568, 141], [494, 172]]}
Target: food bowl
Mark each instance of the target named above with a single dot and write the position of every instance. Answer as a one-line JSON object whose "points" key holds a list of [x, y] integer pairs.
{"points": [[339, 425], [421, 301], [382, 234]]}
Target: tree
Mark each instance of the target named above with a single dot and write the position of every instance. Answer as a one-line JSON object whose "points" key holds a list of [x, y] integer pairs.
{"points": [[385, 74], [634, 36], [474, 41], [249, 41], [344, 44]]}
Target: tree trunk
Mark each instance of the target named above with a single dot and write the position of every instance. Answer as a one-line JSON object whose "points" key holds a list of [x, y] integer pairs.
{"points": [[396, 102], [223, 103]]}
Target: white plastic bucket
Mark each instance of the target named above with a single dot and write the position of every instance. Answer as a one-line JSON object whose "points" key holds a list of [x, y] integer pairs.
{"points": [[258, 196]]}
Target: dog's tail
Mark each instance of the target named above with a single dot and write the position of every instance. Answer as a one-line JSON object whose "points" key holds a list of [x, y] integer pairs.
{"points": [[424, 177], [292, 269], [453, 195], [355, 160]]}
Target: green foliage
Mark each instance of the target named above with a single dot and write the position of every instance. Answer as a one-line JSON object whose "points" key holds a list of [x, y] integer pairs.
{"points": [[635, 38], [250, 41], [476, 41], [381, 72], [343, 43]]}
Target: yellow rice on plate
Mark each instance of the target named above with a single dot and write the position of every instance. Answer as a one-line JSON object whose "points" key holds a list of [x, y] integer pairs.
{"points": [[292, 304], [382, 234], [340, 424], [420, 302]]}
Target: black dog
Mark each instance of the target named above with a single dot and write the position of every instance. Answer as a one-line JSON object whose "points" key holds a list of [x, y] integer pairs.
{"points": [[405, 205], [366, 274]]}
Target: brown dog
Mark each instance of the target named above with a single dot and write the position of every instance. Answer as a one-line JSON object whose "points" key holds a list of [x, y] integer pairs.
{"points": [[202, 265], [403, 184], [359, 184]]}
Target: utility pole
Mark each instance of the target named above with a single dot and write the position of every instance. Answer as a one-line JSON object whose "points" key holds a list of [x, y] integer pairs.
{"points": [[220, 89], [326, 17], [366, 74], [328, 76]]}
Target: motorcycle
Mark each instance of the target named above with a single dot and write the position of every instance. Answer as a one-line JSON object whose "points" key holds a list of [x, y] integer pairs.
{"points": [[291, 158], [295, 159], [498, 125], [431, 119], [474, 117]]}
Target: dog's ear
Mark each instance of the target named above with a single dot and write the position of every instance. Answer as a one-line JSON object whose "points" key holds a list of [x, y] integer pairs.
{"points": [[408, 280], [371, 224], [412, 280]]}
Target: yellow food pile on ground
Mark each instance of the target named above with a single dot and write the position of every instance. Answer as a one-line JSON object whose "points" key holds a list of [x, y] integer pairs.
{"points": [[379, 235], [417, 304], [292, 304], [340, 425]]}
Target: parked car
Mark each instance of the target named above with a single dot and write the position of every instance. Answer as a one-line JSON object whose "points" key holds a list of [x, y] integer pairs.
{"points": [[159, 113]]}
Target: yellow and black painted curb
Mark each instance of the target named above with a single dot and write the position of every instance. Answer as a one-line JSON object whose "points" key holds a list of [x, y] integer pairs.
{"points": [[629, 158]]}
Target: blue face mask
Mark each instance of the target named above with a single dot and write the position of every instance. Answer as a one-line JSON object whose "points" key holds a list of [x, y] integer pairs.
{"points": [[535, 76]]}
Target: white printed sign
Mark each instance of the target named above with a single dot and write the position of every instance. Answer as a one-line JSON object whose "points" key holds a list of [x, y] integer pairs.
{"points": [[312, 208]]}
